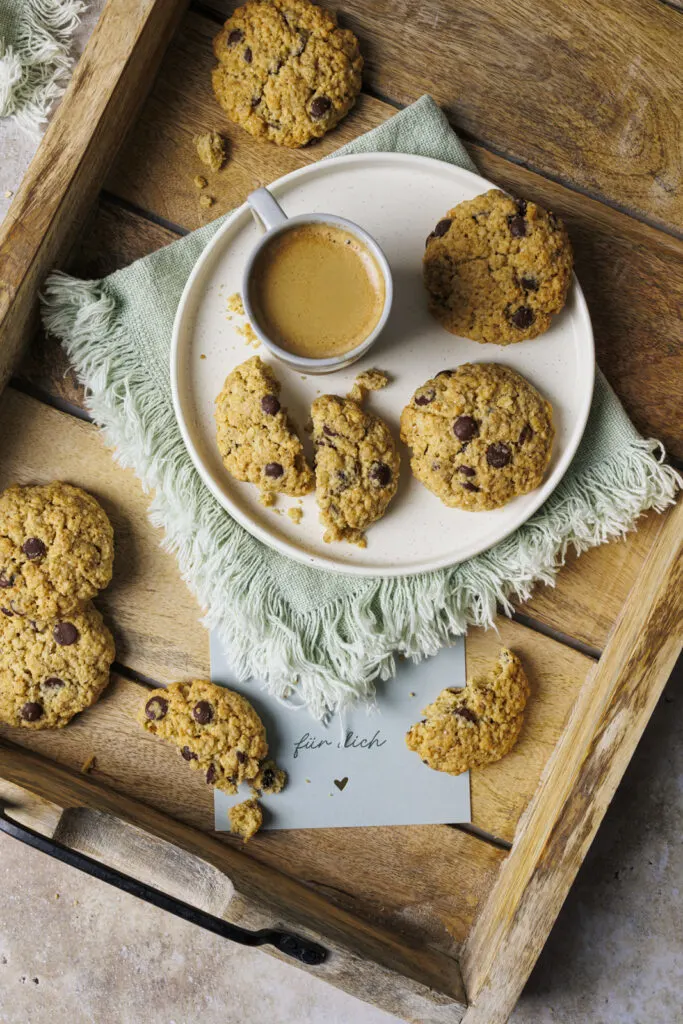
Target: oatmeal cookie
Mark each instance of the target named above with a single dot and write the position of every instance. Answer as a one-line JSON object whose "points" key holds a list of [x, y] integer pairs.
{"points": [[356, 469], [474, 726], [245, 819], [286, 72], [217, 730], [480, 436], [497, 269], [56, 549], [49, 671], [256, 439]]}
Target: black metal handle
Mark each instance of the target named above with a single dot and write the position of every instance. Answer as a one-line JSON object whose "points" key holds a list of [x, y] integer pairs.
{"points": [[307, 952]]}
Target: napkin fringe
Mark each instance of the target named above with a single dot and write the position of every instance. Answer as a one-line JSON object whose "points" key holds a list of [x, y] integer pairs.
{"points": [[34, 71], [338, 653]]}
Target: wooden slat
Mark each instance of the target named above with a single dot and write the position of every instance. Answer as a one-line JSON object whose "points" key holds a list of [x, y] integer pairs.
{"points": [[105, 92], [607, 721]]}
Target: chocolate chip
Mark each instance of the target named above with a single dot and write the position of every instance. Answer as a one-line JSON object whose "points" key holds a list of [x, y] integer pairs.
{"points": [[235, 37], [7, 612], [517, 226], [273, 470], [329, 432], [380, 474], [463, 712], [529, 283], [270, 405], [436, 466], [467, 471], [202, 712], [65, 633], [268, 778], [522, 317], [211, 774], [53, 683], [248, 55], [188, 754], [5, 581], [156, 708], [465, 428], [526, 434], [467, 486], [445, 373], [320, 106], [442, 227], [34, 548], [521, 207], [426, 397], [241, 757], [31, 712], [498, 454], [342, 481]]}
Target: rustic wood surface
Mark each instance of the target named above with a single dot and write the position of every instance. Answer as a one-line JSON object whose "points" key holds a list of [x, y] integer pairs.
{"points": [[594, 124]]}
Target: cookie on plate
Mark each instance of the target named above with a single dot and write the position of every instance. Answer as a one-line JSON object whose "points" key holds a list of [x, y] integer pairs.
{"points": [[497, 269], [49, 671], [476, 725], [256, 439], [217, 730], [480, 436], [56, 549], [356, 467], [286, 71], [245, 819]]}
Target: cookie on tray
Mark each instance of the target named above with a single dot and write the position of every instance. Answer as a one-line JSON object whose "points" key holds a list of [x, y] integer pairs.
{"points": [[480, 436], [476, 725], [256, 439], [217, 730], [356, 468], [497, 269], [286, 72], [56, 549], [245, 819], [49, 671]]}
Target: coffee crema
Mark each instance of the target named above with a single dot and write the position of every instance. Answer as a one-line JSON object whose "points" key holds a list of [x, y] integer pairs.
{"points": [[316, 290]]}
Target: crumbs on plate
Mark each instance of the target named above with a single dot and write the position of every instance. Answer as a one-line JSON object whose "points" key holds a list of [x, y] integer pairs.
{"points": [[249, 335], [296, 514], [235, 304]]}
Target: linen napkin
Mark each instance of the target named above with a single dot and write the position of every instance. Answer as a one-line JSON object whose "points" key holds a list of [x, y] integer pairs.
{"points": [[283, 622]]}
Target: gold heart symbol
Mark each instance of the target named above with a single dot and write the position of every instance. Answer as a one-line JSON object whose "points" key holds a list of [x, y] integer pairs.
{"points": [[340, 783]]}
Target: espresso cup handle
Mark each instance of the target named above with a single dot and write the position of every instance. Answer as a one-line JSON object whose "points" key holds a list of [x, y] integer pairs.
{"points": [[266, 208]]}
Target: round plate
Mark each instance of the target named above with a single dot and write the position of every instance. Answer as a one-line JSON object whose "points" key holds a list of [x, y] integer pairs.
{"points": [[398, 199]]}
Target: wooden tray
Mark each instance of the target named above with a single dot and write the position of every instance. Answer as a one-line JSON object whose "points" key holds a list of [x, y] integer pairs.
{"points": [[433, 923]]}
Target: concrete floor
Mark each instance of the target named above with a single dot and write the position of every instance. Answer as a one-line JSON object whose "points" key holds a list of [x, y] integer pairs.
{"points": [[73, 950]]}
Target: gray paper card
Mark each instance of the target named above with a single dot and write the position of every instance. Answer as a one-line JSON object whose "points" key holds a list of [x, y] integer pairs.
{"points": [[355, 769]]}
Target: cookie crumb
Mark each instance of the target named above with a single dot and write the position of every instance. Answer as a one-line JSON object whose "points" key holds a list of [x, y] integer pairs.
{"points": [[211, 150], [412, 693], [202, 356], [267, 498], [235, 304], [270, 779], [249, 335], [89, 765], [295, 514], [245, 819], [200, 181], [9, 194], [368, 380], [206, 201]]}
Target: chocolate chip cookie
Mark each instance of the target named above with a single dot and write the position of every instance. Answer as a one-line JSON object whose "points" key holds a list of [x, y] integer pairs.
{"points": [[56, 549], [49, 671], [217, 730], [256, 439], [497, 269], [356, 467], [245, 819], [476, 725], [286, 71], [480, 436]]}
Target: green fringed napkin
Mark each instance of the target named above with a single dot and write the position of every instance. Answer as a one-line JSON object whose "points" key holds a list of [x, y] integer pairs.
{"points": [[282, 621]]}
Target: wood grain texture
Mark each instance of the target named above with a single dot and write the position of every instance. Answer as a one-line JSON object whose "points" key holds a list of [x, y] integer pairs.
{"points": [[104, 94], [606, 723], [266, 891]]}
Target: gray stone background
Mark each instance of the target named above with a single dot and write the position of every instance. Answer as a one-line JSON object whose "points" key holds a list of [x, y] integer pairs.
{"points": [[73, 950]]}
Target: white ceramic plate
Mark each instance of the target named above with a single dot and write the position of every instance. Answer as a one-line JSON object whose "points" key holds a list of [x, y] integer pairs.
{"points": [[398, 199]]}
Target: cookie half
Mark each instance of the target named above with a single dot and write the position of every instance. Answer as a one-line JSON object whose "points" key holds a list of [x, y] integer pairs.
{"points": [[480, 436], [497, 269], [49, 671], [256, 438], [356, 467], [286, 72], [56, 549], [217, 730], [476, 725]]}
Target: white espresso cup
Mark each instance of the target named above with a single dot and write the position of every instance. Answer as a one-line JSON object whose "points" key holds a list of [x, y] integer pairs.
{"points": [[276, 222]]}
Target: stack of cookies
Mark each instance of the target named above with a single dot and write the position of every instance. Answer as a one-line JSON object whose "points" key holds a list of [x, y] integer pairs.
{"points": [[56, 553]]}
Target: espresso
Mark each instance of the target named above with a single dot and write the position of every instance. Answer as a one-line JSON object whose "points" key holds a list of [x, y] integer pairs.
{"points": [[317, 291]]}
